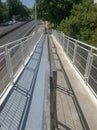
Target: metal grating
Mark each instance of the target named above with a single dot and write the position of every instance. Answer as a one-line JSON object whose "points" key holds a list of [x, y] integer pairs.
{"points": [[14, 112]]}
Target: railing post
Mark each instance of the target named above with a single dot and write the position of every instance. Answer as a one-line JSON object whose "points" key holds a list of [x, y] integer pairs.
{"points": [[67, 46], [59, 38], [63, 40], [22, 52], [8, 63], [88, 65], [75, 50], [29, 46]]}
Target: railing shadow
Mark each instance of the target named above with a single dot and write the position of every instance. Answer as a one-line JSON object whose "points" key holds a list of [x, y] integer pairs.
{"points": [[70, 92], [15, 109]]}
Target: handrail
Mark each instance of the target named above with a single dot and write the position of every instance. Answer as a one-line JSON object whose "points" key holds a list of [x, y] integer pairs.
{"points": [[82, 43], [7, 44], [77, 41], [13, 57], [82, 56]]}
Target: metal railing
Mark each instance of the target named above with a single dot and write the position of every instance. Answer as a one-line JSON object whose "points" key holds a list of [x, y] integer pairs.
{"points": [[82, 56], [14, 56]]}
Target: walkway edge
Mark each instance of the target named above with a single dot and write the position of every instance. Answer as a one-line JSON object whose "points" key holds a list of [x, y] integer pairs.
{"points": [[10, 85], [86, 99]]}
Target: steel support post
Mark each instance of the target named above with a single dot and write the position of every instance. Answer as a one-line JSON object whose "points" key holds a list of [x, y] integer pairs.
{"points": [[35, 9], [88, 65], [75, 50], [63, 41], [8, 64], [67, 47], [22, 53]]}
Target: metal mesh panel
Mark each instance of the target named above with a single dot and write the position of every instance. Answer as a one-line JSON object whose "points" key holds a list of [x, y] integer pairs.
{"points": [[81, 59], [71, 50], [13, 55], [65, 44], [26, 49], [93, 74], [11, 115], [4, 75], [61, 39], [16, 59]]}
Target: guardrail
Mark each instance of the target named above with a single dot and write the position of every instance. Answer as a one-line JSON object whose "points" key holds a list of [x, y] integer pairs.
{"points": [[82, 56], [14, 56]]}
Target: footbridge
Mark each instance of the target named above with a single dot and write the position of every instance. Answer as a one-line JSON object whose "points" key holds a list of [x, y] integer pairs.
{"points": [[48, 81]]}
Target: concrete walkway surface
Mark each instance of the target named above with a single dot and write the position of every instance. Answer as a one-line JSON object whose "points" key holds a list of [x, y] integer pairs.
{"points": [[76, 105]]}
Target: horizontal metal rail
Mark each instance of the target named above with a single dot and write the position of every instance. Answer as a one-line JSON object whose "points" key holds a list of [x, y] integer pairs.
{"points": [[82, 56], [14, 56]]}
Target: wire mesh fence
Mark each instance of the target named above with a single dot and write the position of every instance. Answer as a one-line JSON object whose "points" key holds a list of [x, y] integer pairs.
{"points": [[82, 56], [13, 56]]}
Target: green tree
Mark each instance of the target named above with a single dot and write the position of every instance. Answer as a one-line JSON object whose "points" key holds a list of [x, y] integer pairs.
{"points": [[82, 23], [55, 10], [4, 12], [16, 8]]}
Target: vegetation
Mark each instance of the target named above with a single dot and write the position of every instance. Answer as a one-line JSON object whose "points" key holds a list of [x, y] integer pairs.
{"points": [[4, 14], [13, 8], [82, 23], [55, 10], [18, 9], [76, 18]]}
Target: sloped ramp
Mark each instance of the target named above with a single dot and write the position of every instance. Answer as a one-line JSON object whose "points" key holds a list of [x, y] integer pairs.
{"points": [[18, 112]]}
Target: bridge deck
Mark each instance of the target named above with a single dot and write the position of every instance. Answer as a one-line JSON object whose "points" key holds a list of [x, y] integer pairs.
{"points": [[76, 106], [24, 106]]}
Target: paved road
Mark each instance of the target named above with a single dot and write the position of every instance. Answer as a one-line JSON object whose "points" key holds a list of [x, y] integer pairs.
{"points": [[5, 29], [19, 33]]}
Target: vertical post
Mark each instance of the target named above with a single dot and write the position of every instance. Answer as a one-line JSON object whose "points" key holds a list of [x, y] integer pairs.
{"points": [[8, 64], [29, 46], [35, 9], [60, 39], [51, 104], [75, 50], [22, 52], [54, 98], [53, 84], [67, 46], [63, 40], [88, 65]]}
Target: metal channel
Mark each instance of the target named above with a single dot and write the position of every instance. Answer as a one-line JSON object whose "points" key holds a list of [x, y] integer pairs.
{"points": [[14, 110]]}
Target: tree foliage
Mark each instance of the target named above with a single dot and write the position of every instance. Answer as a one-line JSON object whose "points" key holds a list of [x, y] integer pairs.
{"points": [[16, 8], [82, 23], [4, 13], [55, 10], [13, 8], [76, 18]]}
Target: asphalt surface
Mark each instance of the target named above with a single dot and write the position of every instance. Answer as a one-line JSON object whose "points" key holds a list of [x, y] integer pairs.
{"points": [[6, 29], [18, 33]]}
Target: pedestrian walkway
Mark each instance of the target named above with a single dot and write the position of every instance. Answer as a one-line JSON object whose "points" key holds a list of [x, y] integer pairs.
{"points": [[24, 106], [76, 106], [27, 106]]}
